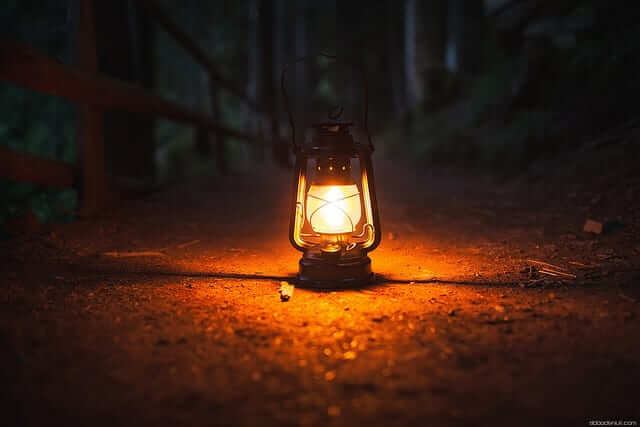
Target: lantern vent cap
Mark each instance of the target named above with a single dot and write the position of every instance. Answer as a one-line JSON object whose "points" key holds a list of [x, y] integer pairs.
{"points": [[332, 137]]}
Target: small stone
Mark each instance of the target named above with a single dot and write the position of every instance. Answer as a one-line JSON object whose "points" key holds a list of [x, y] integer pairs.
{"points": [[350, 355], [591, 226], [333, 411], [452, 312], [499, 308], [330, 375]]}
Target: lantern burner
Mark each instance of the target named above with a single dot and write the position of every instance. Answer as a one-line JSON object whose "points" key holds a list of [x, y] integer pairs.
{"points": [[341, 268]]}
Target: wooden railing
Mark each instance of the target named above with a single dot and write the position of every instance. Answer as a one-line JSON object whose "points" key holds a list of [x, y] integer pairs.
{"points": [[96, 93]]}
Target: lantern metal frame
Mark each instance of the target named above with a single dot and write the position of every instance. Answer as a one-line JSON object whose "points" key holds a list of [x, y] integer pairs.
{"points": [[333, 267]]}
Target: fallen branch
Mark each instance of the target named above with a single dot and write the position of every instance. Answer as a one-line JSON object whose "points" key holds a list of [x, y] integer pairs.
{"points": [[554, 267]]}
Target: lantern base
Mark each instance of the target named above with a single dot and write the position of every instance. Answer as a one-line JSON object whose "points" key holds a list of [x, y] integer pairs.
{"points": [[320, 271]]}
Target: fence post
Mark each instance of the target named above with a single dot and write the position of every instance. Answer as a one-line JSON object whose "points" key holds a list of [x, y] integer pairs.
{"points": [[90, 120]]}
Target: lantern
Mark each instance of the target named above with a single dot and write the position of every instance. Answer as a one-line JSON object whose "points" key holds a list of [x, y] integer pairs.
{"points": [[334, 216]]}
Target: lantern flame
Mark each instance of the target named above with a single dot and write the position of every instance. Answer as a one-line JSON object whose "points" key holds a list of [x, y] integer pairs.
{"points": [[333, 209]]}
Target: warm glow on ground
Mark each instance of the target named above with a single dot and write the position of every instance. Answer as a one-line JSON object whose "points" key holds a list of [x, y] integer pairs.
{"points": [[187, 325]]}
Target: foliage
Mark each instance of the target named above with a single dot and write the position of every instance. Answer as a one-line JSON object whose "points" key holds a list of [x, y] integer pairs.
{"points": [[574, 75], [32, 122]]}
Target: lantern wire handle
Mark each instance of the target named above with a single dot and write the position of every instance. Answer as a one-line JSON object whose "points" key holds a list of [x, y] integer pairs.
{"points": [[285, 97]]}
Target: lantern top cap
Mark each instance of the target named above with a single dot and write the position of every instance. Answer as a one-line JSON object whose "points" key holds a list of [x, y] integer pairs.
{"points": [[332, 137], [333, 128]]}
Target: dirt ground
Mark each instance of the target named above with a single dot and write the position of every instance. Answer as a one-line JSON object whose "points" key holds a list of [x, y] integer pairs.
{"points": [[464, 325]]}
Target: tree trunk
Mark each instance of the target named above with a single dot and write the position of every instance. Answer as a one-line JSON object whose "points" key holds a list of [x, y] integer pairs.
{"points": [[347, 53], [253, 81], [464, 44], [301, 93], [268, 66], [434, 17], [395, 65], [280, 146], [144, 67], [414, 90]]}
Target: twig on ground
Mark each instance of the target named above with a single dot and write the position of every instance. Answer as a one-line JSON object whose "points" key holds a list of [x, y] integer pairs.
{"points": [[552, 272], [116, 254], [285, 291], [579, 264], [555, 267], [187, 244], [627, 297]]}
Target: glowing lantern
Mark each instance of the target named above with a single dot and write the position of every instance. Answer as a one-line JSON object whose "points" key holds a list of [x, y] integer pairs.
{"points": [[334, 216]]}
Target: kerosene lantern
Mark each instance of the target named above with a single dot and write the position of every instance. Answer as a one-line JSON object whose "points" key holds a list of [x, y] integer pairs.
{"points": [[334, 216]]}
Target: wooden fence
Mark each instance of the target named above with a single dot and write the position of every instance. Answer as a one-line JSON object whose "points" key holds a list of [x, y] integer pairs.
{"points": [[96, 93]]}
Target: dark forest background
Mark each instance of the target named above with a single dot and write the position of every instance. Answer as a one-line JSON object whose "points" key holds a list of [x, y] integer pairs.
{"points": [[490, 85]]}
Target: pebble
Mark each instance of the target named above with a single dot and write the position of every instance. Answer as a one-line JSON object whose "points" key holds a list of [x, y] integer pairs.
{"points": [[350, 355], [333, 411], [591, 226]]}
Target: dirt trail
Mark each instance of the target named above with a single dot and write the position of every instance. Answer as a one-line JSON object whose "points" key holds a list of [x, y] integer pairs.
{"points": [[461, 327]]}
